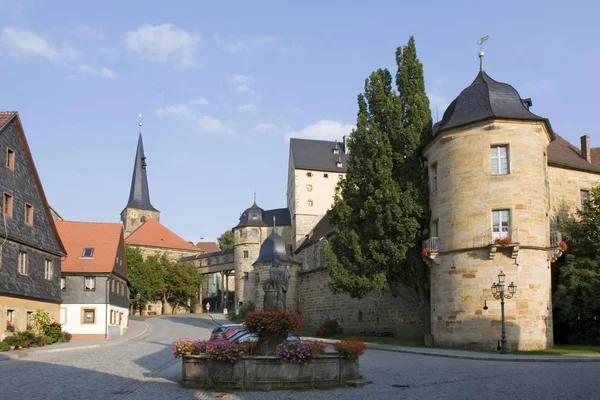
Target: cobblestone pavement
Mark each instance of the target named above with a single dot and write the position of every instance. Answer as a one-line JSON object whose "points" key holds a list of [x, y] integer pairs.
{"points": [[144, 369]]}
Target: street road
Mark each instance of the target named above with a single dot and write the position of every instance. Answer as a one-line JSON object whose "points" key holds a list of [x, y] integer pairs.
{"points": [[144, 369]]}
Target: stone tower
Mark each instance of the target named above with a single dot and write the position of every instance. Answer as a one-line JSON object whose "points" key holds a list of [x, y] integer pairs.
{"points": [[273, 249], [248, 235], [138, 209], [488, 182]]}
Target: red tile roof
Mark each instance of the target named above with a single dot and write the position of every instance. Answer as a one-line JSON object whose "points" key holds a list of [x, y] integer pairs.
{"points": [[563, 154], [208, 247], [5, 116], [103, 237], [153, 234]]}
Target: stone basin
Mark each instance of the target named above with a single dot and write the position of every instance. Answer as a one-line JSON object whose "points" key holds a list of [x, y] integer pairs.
{"points": [[268, 373]]}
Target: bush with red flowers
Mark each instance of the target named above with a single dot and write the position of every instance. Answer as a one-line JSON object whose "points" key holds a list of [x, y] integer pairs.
{"points": [[279, 322], [351, 348], [503, 241]]}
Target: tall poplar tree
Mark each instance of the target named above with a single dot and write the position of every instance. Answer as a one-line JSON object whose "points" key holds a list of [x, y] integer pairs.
{"points": [[379, 211]]}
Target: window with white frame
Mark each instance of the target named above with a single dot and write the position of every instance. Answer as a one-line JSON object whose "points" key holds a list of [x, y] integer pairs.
{"points": [[90, 283], [22, 263], [49, 270], [585, 199], [434, 176], [499, 159], [500, 223]]}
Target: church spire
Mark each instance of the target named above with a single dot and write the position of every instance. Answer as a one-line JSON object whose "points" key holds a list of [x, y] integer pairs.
{"points": [[139, 196]]}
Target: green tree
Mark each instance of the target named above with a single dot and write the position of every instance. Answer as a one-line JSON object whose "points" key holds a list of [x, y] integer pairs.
{"points": [[379, 211], [182, 282], [576, 298], [146, 278], [226, 240]]}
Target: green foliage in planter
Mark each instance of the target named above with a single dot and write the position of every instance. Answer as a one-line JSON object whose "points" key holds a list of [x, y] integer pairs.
{"points": [[24, 339], [351, 348]]}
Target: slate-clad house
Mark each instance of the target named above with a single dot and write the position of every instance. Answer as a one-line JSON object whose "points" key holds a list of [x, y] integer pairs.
{"points": [[30, 248], [94, 280]]}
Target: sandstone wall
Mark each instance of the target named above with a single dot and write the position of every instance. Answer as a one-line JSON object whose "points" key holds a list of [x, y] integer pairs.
{"points": [[566, 186], [133, 218]]}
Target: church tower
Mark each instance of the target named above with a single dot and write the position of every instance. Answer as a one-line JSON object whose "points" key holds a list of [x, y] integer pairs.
{"points": [[138, 209]]}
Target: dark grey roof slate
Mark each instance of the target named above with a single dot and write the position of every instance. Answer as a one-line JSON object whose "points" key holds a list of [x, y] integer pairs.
{"points": [[322, 229], [318, 155], [274, 248], [253, 216], [484, 99], [139, 195], [282, 217]]}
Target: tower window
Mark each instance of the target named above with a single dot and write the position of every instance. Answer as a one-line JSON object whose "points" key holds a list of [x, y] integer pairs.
{"points": [[434, 176], [310, 203], [325, 175], [10, 159], [245, 253], [7, 205], [500, 224], [585, 199], [499, 158], [88, 252], [309, 174], [28, 214]]}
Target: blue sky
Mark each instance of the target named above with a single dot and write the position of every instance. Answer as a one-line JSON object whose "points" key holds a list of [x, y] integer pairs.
{"points": [[223, 85]]}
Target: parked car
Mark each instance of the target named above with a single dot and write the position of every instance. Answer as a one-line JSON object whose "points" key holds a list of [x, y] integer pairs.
{"points": [[245, 336], [225, 331]]}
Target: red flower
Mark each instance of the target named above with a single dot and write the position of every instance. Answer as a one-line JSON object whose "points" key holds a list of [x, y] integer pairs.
{"points": [[425, 252], [563, 246]]}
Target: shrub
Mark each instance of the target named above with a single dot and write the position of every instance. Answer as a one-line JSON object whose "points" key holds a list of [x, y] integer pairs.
{"points": [[299, 352], [66, 336], [280, 322], [4, 346], [324, 332], [351, 348], [184, 347], [53, 330], [226, 351], [23, 339], [41, 319]]}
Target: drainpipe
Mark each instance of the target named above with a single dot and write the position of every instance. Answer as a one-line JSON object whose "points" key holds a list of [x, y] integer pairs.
{"points": [[106, 311]]}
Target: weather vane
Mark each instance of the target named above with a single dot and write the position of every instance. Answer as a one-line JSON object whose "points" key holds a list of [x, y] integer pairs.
{"points": [[481, 42]]}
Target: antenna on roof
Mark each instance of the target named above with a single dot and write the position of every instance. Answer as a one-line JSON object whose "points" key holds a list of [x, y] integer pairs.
{"points": [[481, 41], [140, 122]]}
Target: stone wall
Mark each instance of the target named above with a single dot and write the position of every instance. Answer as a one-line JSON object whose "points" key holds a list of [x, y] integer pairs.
{"points": [[566, 186], [172, 254], [133, 218], [374, 313], [261, 274]]}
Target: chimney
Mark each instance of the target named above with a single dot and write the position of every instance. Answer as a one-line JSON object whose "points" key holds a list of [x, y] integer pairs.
{"points": [[586, 150]]}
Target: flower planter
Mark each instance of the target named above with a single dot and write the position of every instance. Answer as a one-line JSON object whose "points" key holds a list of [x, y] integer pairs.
{"points": [[268, 373]]}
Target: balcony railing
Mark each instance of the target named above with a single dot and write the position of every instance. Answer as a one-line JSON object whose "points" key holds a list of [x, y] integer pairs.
{"points": [[489, 237], [433, 244], [555, 238]]}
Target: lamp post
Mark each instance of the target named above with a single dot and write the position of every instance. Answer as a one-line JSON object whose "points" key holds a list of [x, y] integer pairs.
{"points": [[499, 293]]}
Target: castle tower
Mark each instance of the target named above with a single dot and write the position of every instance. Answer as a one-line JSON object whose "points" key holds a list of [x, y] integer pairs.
{"points": [[488, 182], [248, 236], [274, 249], [138, 209]]}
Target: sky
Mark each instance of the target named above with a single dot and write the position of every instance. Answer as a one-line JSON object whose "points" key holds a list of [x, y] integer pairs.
{"points": [[222, 86]]}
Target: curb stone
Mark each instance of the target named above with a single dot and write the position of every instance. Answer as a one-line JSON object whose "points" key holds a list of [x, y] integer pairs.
{"points": [[471, 355]]}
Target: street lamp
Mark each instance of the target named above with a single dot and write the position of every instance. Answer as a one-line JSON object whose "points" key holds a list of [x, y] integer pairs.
{"points": [[499, 293]]}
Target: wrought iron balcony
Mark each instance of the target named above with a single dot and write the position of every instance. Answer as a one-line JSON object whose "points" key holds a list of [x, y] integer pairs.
{"points": [[432, 244], [510, 237], [555, 238]]}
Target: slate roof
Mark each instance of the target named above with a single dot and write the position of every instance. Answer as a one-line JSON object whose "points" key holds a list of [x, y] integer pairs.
{"points": [[322, 229], [274, 248], [153, 234], [208, 247], [317, 155], [256, 216], [485, 99], [139, 194], [103, 237]]}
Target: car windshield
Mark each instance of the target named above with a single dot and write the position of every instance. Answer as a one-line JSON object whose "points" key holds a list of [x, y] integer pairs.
{"points": [[235, 336]]}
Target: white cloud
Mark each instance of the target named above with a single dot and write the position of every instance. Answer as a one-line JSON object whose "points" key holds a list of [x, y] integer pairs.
{"points": [[175, 111], [264, 127], [199, 101], [250, 107], [210, 124], [25, 43], [164, 43], [103, 73], [322, 130], [236, 43]]}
